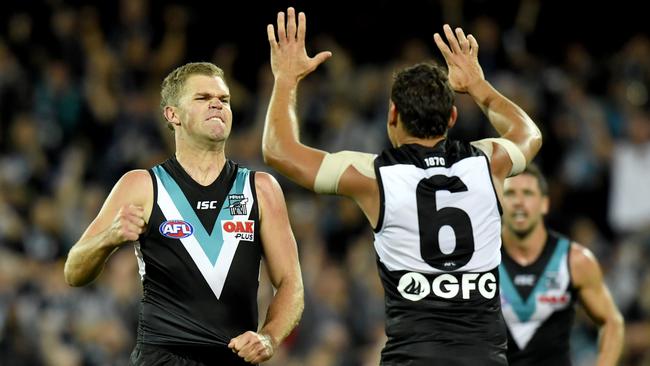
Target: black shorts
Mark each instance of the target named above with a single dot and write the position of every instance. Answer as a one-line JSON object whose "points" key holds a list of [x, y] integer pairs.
{"points": [[155, 355]]}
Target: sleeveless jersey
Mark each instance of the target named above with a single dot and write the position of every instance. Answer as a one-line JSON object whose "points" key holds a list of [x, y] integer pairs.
{"points": [[538, 305], [199, 259], [438, 249]]}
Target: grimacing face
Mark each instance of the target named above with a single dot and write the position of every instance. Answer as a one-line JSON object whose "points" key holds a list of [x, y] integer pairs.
{"points": [[205, 108], [524, 205]]}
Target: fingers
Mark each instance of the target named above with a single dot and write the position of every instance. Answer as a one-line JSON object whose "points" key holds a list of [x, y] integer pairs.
{"points": [[473, 45], [321, 57], [250, 347], [130, 223], [282, 33], [270, 33], [451, 38], [291, 24], [442, 46], [302, 27], [462, 40]]}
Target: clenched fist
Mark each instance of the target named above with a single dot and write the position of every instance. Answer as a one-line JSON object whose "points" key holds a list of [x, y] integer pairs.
{"points": [[127, 225], [252, 347]]}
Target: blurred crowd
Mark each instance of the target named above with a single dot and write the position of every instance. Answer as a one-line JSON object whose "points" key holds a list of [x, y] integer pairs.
{"points": [[79, 106]]}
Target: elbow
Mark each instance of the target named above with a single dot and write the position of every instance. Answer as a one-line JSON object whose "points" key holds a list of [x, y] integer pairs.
{"points": [[275, 156], [536, 141], [270, 154], [71, 277], [619, 322]]}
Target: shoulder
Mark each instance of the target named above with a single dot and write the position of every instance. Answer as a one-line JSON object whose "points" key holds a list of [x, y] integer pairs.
{"points": [[137, 176], [135, 185], [269, 196], [266, 186], [264, 180], [138, 181], [584, 265]]}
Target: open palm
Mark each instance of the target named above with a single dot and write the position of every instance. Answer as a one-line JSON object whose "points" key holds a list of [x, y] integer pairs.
{"points": [[289, 57], [462, 58]]}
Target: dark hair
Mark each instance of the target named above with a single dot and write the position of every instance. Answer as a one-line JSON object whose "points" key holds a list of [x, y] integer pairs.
{"points": [[533, 169], [424, 99]]}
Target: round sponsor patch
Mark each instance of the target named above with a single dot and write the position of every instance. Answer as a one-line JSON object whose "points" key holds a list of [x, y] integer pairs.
{"points": [[413, 286], [176, 229]]}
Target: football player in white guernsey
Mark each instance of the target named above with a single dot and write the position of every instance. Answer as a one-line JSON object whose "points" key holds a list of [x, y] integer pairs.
{"points": [[432, 202], [200, 283], [543, 275]]}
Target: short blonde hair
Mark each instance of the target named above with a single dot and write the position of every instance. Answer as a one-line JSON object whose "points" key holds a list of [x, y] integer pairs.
{"points": [[172, 86]]}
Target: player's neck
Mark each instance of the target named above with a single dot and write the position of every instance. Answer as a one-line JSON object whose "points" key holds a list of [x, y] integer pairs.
{"points": [[525, 250], [430, 142], [204, 166]]}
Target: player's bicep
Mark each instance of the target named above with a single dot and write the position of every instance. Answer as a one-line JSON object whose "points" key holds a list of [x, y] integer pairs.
{"points": [[351, 174], [506, 158], [331, 171], [588, 279], [299, 163], [134, 187], [279, 244]]}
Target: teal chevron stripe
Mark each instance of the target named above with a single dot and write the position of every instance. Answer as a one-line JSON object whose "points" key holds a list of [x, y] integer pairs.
{"points": [[526, 309], [210, 243]]}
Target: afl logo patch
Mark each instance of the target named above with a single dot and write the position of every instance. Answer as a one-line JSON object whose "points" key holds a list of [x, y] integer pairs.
{"points": [[176, 229]]}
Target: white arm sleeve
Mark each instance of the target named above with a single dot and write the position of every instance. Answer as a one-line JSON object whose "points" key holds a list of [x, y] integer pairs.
{"points": [[333, 166], [516, 156]]}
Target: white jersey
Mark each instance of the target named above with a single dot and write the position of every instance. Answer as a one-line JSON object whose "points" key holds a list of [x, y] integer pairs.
{"points": [[438, 243]]}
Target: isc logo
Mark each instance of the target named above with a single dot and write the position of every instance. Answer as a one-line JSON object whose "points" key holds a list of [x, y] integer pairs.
{"points": [[176, 229], [242, 230], [206, 205]]}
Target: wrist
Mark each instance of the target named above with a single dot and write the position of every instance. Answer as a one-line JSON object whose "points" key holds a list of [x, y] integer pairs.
{"points": [[269, 340], [478, 88], [286, 81]]}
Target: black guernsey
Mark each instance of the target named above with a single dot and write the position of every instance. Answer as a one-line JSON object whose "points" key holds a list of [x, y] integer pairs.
{"points": [[538, 303], [437, 244], [199, 260]]}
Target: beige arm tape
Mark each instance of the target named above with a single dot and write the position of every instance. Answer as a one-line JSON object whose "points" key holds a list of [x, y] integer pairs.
{"points": [[516, 155], [333, 166]]}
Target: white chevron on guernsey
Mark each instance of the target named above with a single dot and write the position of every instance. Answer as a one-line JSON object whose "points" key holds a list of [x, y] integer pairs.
{"points": [[215, 275]]}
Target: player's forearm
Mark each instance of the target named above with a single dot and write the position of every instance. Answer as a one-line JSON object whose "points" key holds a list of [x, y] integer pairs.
{"points": [[611, 341], [281, 131], [285, 310], [86, 259], [510, 121]]}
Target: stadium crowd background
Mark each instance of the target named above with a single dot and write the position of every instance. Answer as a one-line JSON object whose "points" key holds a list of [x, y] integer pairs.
{"points": [[79, 94]]}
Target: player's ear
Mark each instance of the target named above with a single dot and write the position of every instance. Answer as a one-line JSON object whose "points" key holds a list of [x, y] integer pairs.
{"points": [[452, 117], [171, 115], [545, 205], [393, 115]]}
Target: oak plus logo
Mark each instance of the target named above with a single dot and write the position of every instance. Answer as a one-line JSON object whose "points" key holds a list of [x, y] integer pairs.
{"points": [[238, 229], [176, 229]]}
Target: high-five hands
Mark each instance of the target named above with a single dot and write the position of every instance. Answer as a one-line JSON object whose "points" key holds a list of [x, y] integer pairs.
{"points": [[289, 57], [462, 58]]}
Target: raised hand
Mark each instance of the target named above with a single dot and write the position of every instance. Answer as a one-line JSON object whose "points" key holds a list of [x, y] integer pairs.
{"points": [[462, 58], [289, 57], [127, 225], [252, 347]]}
